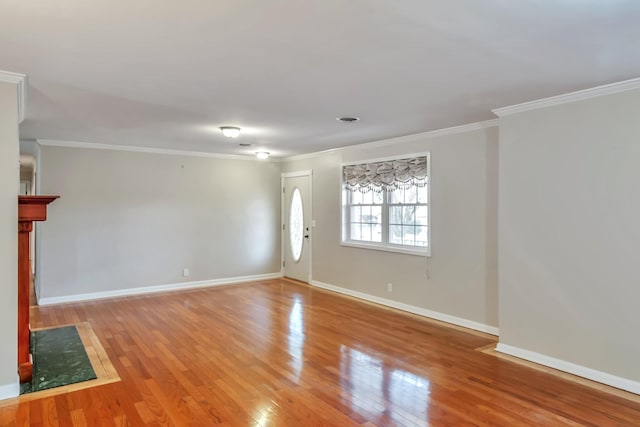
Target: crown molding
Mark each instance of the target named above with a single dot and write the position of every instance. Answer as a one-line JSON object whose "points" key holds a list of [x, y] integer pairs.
{"points": [[402, 139], [138, 149], [20, 80], [385, 142], [580, 95]]}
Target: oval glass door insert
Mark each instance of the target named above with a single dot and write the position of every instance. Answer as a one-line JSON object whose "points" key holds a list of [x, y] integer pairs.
{"points": [[296, 225]]}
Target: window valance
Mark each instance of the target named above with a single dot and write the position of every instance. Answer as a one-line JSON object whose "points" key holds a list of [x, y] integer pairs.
{"points": [[386, 175]]}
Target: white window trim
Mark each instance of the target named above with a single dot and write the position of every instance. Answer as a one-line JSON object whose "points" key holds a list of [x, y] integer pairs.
{"points": [[387, 247]]}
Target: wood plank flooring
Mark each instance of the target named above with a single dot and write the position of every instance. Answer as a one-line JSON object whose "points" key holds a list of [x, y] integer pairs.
{"points": [[276, 353]]}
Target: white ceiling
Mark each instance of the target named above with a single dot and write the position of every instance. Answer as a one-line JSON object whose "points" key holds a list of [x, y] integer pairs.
{"points": [[167, 74]]}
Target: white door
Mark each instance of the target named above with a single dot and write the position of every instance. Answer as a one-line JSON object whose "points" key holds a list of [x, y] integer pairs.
{"points": [[296, 227]]}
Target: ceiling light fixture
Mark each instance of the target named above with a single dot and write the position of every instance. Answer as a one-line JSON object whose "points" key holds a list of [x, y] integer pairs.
{"points": [[230, 131], [348, 119], [263, 155]]}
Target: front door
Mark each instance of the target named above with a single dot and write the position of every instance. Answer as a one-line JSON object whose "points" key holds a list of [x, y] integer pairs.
{"points": [[296, 230]]}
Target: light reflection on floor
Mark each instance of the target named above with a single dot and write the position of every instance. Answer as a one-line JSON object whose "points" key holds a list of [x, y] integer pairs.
{"points": [[295, 338], [372, 387], [369, 386], [263, 415]]}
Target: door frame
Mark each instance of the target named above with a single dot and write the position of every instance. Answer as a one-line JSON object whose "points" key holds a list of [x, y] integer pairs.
{"points": [[283, 176]]}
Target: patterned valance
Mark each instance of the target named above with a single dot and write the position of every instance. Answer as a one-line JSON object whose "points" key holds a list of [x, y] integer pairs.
{"points": [[386, 175]]}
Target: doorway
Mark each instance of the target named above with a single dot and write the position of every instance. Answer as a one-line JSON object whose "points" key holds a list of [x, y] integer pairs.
{"points": [[296, 225]]}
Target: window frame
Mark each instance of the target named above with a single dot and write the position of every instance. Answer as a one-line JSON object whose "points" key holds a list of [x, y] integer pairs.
{"points": [[385, 245]]}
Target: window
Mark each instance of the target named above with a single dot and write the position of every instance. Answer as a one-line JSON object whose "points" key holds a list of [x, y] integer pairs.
{"points": [[385, 205], [296, 225]]}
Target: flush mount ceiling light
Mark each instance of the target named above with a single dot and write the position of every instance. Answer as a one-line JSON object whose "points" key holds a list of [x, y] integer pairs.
{"points": [[230, 131], [348, 119], [263, 155]]}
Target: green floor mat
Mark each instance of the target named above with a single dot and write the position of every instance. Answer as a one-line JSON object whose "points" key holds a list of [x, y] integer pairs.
{"points": [[59, 358]]}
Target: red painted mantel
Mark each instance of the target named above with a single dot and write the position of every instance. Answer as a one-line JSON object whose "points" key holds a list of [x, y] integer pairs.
{"points": [[30, 208]]}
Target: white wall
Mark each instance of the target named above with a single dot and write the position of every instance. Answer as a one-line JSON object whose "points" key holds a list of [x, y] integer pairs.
{"points": [[127, 220], [463, 266], [9, 178], [569, 232]]}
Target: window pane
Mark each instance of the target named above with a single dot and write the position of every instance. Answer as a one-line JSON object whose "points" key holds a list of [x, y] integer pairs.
{"points": [[410, 194], [396, 196], [376, 233], [366, 214], [296, 225], [355, 232], [356, 197], [356, 214], [367, 198], [422, 194], [395, 234], [408, 215], [395, 215], [421, 236], [422, 215], [378, 197], [376, 214], [366, 232], [408, 236]]}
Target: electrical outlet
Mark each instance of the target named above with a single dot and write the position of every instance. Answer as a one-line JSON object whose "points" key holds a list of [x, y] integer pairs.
{"points": [[185, 272], [389, 287]]}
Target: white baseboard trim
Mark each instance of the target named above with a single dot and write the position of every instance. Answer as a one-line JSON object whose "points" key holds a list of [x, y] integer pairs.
{"points": [[159, 288], [9, 391], [411, 308], [572, 368]]}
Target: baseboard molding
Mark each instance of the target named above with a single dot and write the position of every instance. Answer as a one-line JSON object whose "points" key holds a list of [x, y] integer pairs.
{"points": [[470, 324], [154, 289], [9, 391], [572, 368]]}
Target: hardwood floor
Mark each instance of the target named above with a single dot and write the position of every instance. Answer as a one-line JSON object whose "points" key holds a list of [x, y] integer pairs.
{"points": [[277, 353]]}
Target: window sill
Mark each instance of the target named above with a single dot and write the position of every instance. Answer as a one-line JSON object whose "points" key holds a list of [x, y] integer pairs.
{"points": [[416, 252]]}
